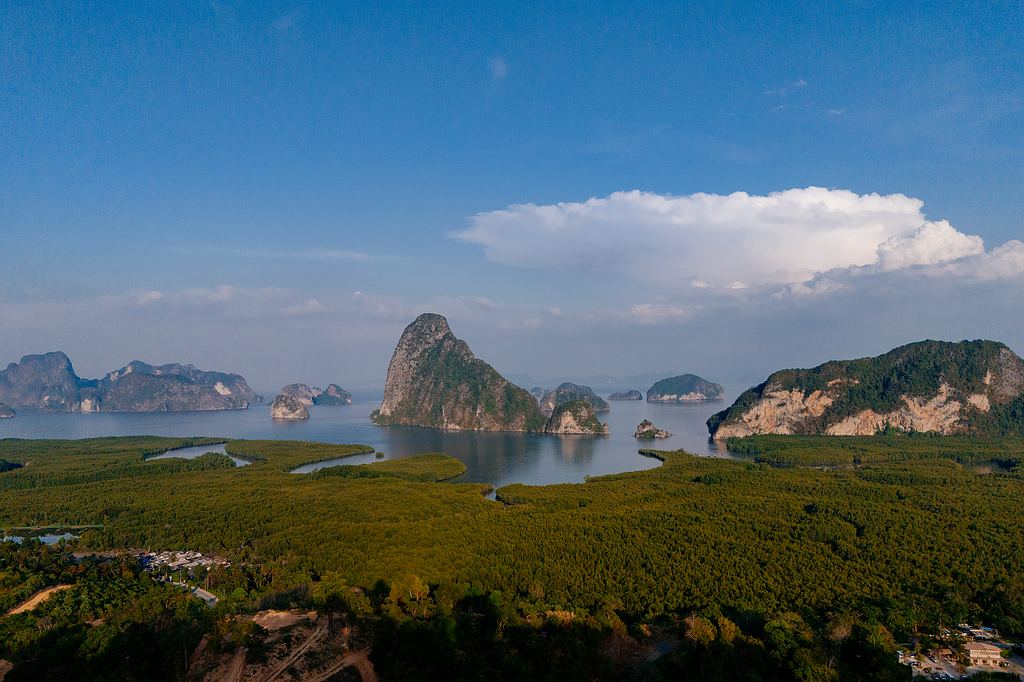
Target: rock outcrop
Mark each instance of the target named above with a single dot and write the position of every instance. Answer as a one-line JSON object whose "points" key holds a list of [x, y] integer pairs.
{"points": [[288, 406], [49, 382], [333, 395], [684, 388], [971, 387], [575, 417], [301, 392], [46, 381], [434, 380], [6, 412], [569, 392], [646, 430], [627, 395]]}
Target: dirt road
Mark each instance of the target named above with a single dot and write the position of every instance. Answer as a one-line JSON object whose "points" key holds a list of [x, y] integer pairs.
{"points": [[38, 598], [357, 660]]}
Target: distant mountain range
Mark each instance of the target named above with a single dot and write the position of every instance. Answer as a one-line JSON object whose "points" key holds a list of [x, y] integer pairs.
{"points": [[49, 382]]}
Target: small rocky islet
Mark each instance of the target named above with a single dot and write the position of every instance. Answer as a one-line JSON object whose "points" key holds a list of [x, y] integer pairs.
{"points": [[575, 417], [6, 412], [627, 395], [646, 430], [288, 406], [293, 396]]}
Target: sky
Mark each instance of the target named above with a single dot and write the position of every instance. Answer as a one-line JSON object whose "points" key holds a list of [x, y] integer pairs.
{"points": [[584, 190]]}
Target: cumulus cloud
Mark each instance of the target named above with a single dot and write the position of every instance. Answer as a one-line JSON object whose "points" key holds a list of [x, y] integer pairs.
{"points": [[933, 242], [735, 240]]}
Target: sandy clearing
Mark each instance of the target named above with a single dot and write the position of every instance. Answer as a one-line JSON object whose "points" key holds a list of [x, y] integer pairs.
{"points": [[277, 620], [38, 598]]}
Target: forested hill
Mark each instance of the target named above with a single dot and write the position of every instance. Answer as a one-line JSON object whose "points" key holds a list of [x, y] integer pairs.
{"points": [[970, 387]]}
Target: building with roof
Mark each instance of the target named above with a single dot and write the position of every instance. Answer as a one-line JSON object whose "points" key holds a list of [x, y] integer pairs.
{"points": [[981, 653]]}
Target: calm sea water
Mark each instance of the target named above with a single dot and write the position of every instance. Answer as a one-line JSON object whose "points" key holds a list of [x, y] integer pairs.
{"points": [[495, 458]]}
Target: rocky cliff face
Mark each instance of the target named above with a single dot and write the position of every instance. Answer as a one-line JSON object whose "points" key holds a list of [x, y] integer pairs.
{"points": [[569, 392], [333, 395], [684, 388], [288, 406], [434, 380], [575, 417], [45, 381], [303, 393], [646, 430], [627, 395], [49, 382], [6, 412], [930, 386]]}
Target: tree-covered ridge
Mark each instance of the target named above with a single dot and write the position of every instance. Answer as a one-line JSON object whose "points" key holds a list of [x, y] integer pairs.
{"points": [[1006, 452], [428, 467], [917, 370], [434, 380]]}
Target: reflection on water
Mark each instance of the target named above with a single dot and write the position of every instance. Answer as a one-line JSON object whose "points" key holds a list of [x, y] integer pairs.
{"points": [[198, 451], [496, 458]]}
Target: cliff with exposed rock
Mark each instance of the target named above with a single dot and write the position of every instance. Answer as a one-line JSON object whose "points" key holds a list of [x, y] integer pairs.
{"points": [[970, 387], [575, 417], [434, 380], [288, 406]]}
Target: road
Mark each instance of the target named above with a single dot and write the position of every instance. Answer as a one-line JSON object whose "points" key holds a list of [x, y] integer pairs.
{"points": [[37, 599], [358, 660]]}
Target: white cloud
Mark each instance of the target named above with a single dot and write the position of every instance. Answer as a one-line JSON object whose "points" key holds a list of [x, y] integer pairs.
{"points": [[1004, 262], [148, 297], [716, 239], [710, 241], [309, 307], [933, 242]]}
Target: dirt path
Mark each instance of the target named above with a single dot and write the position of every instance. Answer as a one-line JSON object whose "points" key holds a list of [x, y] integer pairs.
{"points": [[38, 598], [283, 665], [236, 667], [358, 660]]}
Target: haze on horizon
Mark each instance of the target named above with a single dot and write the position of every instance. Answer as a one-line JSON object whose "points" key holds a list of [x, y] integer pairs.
{"points": [[277, 189]]}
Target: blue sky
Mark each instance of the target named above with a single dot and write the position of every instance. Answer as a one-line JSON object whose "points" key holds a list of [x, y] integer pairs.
{"points": [[277, 188]]}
